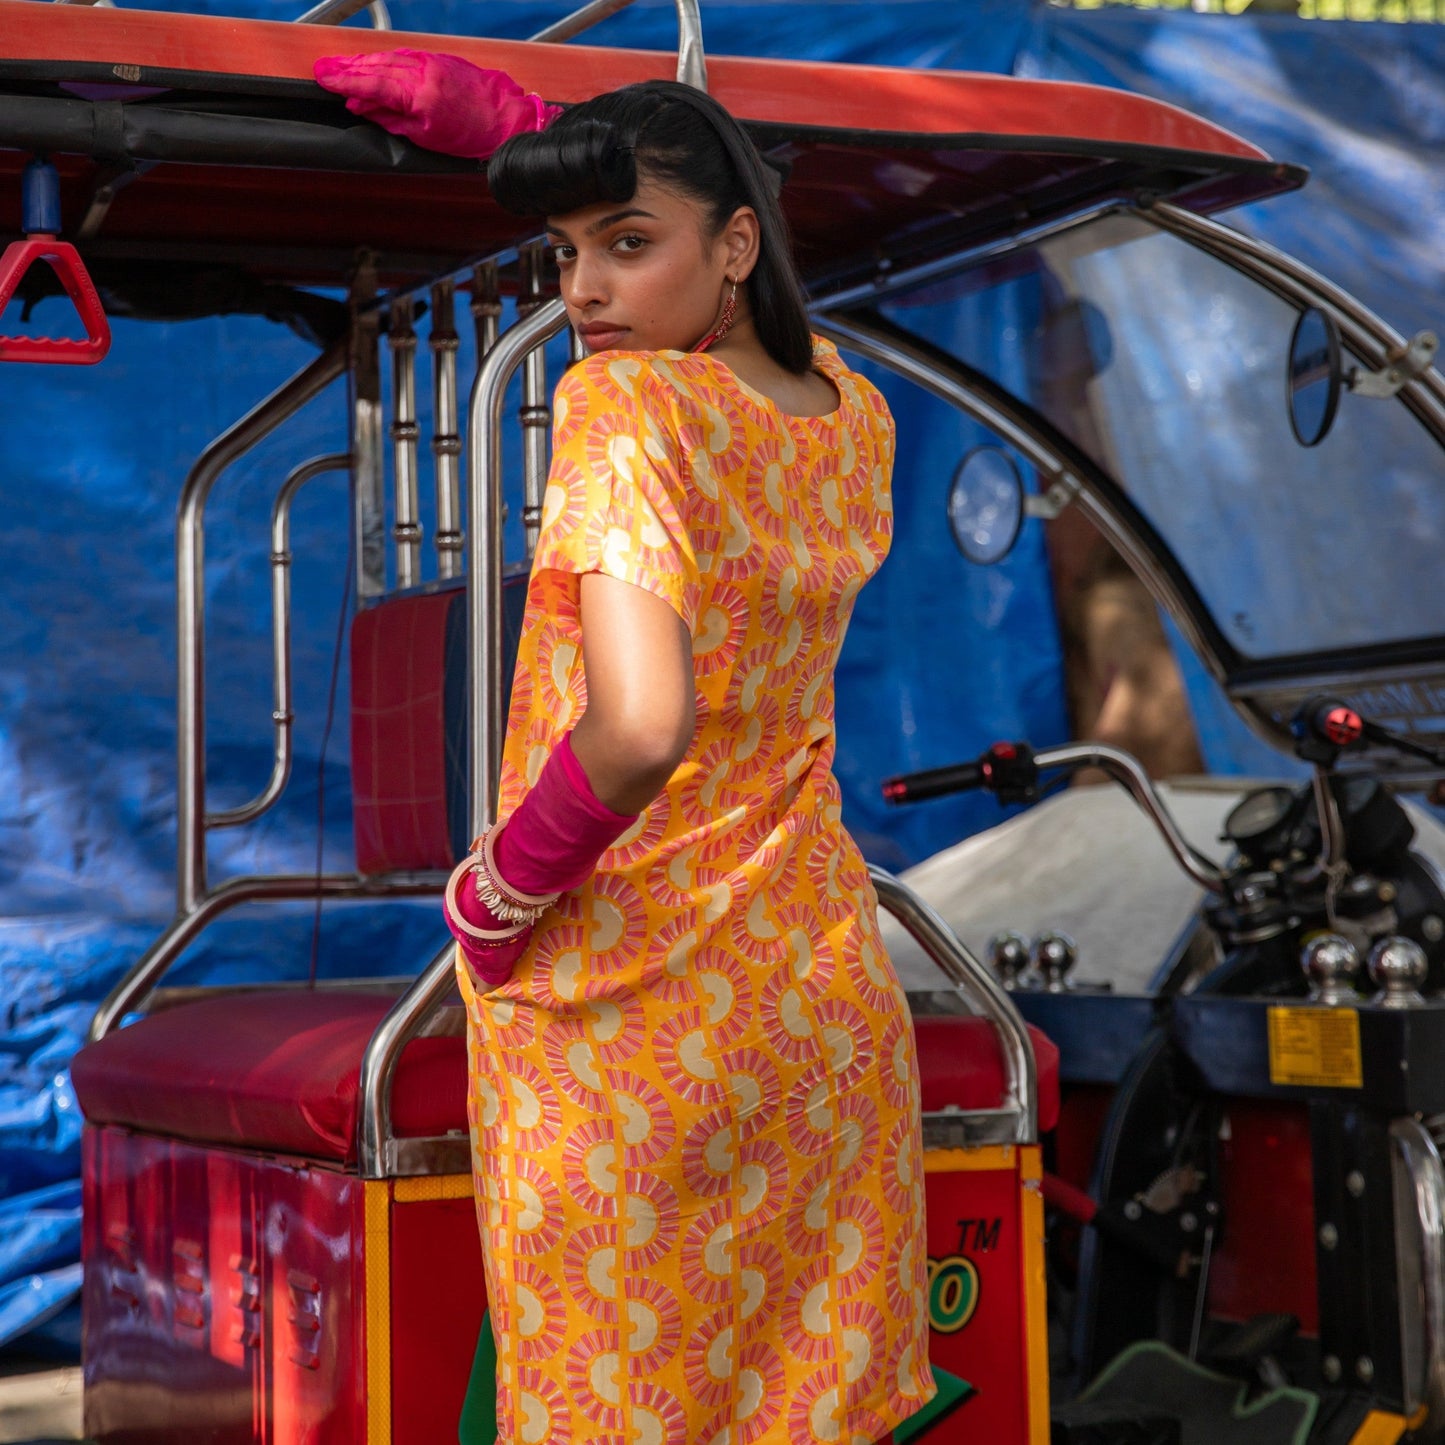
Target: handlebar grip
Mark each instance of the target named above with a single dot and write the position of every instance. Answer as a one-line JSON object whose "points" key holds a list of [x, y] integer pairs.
{"points": [[933, 783]]}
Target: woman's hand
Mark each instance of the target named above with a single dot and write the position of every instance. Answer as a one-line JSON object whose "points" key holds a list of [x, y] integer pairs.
{"points": [[442, 102]]}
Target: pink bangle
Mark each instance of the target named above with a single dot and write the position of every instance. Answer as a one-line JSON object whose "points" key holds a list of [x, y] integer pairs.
{"points": [[481, 937]]}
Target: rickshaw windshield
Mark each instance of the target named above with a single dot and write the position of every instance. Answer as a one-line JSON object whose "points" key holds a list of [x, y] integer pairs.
{"points": [[1168, 368]]}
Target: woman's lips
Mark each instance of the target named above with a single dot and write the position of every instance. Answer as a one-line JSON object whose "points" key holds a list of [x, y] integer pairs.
{"points": [[600, 336]]}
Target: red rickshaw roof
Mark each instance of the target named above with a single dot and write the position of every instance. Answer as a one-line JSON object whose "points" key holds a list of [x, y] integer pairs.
{"points": [[242, 161]]}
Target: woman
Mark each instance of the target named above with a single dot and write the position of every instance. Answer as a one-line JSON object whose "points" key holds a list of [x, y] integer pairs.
{"points": [[694, 1092]]}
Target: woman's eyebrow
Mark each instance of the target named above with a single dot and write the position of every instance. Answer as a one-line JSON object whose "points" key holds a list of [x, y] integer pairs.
{"points": [[604, 223]]}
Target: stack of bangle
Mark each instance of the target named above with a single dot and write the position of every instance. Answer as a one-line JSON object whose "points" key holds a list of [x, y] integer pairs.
{"points": [[517, 909]]}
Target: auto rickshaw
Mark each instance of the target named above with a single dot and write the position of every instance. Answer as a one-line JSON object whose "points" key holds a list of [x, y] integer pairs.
{"points": [[284, 1248]]}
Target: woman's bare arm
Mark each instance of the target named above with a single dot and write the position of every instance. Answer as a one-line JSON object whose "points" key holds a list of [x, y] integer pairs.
{"points": [[637, 656]]}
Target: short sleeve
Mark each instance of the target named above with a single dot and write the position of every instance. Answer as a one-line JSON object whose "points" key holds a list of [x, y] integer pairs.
{"points": [[616, 499]]}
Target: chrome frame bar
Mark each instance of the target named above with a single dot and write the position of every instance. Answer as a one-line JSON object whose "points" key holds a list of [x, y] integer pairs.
{"points": [[484, 557], [888, 281], [131, 991], [691, 62], [405, 1020], [405, 439], [333, 12], [579, 20], [1370, 337], [486, 307], [1136, 782], [984, 994], [368, 466], [535, 413], [446, 442], [692, 68], [233, 443], [282, 715]]}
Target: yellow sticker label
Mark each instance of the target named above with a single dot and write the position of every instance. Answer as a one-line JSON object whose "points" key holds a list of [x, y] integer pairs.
{"points": [[1315, 1047]]}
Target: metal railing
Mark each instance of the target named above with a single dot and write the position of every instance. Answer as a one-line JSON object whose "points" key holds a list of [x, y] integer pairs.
{"points": [[282, 714], [1016, 1120], [333, 12], [232, 444], [691, 61], [484, 561]]}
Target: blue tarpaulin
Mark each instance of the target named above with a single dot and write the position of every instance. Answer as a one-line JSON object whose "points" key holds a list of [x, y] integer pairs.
{"points": [[942, 658]]}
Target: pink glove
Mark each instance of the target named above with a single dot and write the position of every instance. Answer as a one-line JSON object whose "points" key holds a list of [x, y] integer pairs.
{"points": [[442, 102], [559, 830], [549, 844]]}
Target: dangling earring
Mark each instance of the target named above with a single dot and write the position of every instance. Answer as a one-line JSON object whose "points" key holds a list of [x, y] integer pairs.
{"points": [[724, 322]]}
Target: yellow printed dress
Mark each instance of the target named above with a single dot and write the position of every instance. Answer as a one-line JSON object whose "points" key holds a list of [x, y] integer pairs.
{"points": [[694, 1105]]}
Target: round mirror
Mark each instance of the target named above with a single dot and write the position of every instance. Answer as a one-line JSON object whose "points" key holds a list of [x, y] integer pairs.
{"points": [[986, 505], [1314, 376]]}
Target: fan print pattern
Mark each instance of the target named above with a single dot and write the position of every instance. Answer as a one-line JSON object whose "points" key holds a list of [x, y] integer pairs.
{"points": [[695, 1104]]}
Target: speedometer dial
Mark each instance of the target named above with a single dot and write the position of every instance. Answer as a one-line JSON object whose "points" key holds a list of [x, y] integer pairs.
{"points": [[1256, 818]]}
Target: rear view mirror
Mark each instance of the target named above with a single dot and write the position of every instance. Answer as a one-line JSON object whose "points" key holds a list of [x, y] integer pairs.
{"points": [[986, 505], [1314, 376]]}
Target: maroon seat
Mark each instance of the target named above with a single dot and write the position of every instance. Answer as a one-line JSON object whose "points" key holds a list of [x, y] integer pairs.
{"points": [[277, 1071], [960, 1063]]}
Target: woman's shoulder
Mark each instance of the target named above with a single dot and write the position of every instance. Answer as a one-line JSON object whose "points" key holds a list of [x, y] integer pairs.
{"points": [[860, 397], [628, 373]]}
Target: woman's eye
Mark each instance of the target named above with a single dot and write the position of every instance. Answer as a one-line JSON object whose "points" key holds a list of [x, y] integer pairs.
{"points": [[630, 243], [562, 254]]}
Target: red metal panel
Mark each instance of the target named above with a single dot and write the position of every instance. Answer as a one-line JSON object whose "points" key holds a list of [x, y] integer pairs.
{"points": [[438, 1295], [976, 1297], [223, 1297], [1264, 1263]]}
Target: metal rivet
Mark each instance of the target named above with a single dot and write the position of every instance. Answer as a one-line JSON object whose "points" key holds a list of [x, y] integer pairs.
{"points": [[1188, 1223], [1433, 927], [1355, 1182], [1133, 1210], [1329, 1236], [1365, 1369], [1330, 1367]]}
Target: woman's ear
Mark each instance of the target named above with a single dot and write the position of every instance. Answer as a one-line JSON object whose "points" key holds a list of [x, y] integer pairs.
{"points": [[740, 240]]}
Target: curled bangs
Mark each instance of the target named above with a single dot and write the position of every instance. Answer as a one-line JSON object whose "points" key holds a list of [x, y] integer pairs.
{"points": [[586, 156]]}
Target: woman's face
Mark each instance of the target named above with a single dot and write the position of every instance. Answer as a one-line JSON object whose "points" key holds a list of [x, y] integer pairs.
{"points": [[644, 274]]}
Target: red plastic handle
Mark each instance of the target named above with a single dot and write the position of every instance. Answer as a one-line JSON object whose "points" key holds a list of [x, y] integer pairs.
{"points": [[65, 261]]}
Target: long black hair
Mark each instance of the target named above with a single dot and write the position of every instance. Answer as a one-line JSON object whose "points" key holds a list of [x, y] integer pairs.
{"points": [[683, 139]]}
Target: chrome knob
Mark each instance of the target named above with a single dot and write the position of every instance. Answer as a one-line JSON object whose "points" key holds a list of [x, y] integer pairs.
{"points": [[1008, 956], [1054, 955], [1398, 966], [1330, 964]]}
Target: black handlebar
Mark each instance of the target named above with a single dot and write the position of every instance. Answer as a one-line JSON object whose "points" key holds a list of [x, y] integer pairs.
{"points": [[1006, 769], [932, 783]]}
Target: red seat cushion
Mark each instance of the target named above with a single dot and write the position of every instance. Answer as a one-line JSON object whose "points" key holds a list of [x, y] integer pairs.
{"points": [[960, 1063], [278, 1071]]}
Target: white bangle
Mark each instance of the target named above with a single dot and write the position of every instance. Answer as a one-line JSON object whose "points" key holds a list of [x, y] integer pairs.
{"points": [[496, 893]]}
